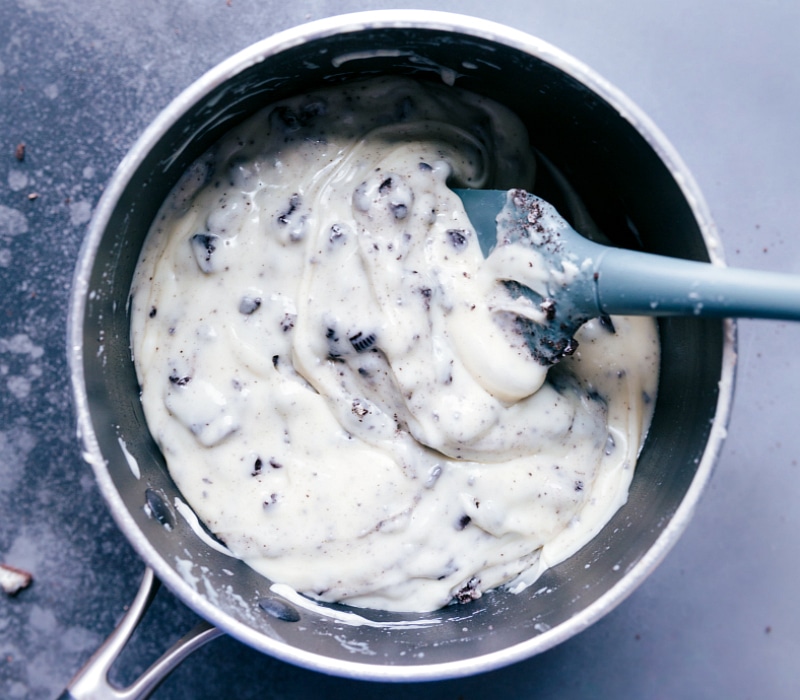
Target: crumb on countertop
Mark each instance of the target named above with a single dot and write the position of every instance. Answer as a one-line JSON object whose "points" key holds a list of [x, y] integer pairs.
{"points": [[13, 580]]}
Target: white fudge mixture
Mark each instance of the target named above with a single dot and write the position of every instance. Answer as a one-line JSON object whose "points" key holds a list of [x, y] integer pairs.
{"points": [[333, 372]]}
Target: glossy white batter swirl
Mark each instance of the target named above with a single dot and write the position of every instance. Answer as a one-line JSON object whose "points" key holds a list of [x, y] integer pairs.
{"points": [[332, 371]]}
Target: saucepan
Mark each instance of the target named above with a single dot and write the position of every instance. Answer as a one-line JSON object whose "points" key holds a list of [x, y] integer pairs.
{"points": [[636, 189]]}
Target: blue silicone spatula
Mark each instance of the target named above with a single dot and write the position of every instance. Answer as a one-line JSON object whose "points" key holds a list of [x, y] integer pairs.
{"points": [[604, 280]]}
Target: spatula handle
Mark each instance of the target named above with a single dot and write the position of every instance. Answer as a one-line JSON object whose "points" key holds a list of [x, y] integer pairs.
{"points": [[634, 283]]}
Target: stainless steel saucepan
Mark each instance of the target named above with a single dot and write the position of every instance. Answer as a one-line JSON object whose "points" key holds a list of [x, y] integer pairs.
{"points": [[629, 178]]}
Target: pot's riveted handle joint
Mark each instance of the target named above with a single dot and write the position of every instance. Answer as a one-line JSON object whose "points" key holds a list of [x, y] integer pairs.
{"points": [[92, 682]]}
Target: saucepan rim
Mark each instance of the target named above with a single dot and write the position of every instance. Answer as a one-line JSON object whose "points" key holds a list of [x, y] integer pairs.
{"points": [[459, 25]]}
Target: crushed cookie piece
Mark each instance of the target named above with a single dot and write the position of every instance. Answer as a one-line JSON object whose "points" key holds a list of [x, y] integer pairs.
{"points": [[470, 591]]}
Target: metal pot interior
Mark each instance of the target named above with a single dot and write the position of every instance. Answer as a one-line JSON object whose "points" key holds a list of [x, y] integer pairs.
{"points": [[619, 169]]}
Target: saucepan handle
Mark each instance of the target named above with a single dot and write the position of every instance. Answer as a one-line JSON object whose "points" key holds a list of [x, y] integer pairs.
{"points": [[92, 680]]}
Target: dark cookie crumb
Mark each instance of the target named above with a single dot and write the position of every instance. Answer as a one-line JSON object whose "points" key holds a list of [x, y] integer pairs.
{"points": [[288, 322], [337, 234], [400, 196], [177, 380], [19, 152], [292, 121], [457, 238], [333, 339], [249, 305], [362, 342], [570, 348], [594, 395], [359, 409], [257, 466], [463, 521], [400, 211], [153, 312], [294, 202], [427, 293], [287, 117], [275, 464], [470, 591], [204, 245]]}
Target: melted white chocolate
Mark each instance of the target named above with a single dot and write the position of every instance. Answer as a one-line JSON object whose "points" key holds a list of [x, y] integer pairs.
{"points": [[327, 361]]}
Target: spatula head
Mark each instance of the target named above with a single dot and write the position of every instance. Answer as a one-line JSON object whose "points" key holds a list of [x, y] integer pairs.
{"points": [[559, 277]]}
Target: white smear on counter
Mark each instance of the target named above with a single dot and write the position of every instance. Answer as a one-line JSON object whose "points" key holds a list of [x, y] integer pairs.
{"points": [[80, 212], [12, 222], [21, 344], [19, 387], [17, 180]]}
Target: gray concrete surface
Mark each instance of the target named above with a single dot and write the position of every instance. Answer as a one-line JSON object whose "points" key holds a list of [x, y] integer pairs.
{"points": [[80, 80]]}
